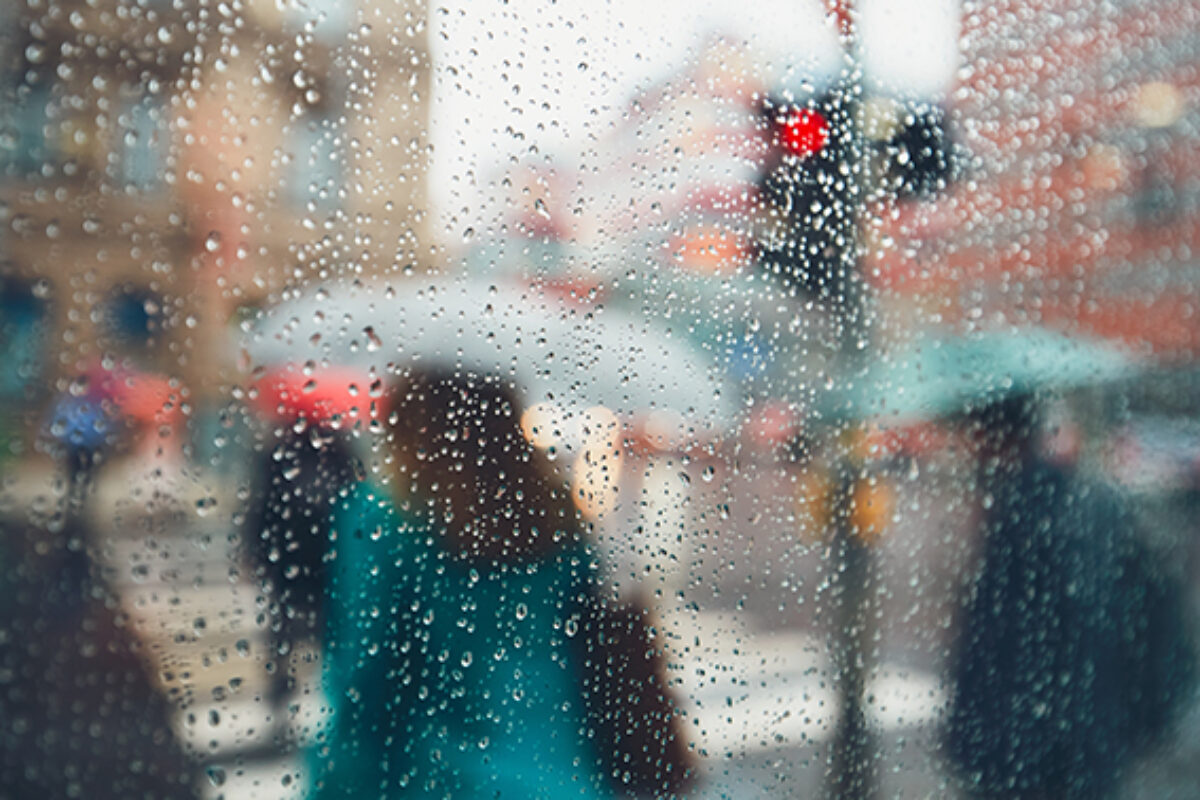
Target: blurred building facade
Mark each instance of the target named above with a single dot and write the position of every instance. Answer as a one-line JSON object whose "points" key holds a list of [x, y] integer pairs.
{"points": [[166, 168], [1076, 204]]}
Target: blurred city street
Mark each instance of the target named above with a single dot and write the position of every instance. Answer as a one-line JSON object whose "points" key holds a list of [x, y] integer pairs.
{"points": [[742, 608], [750, 663], [758, 691], [859, 341]]}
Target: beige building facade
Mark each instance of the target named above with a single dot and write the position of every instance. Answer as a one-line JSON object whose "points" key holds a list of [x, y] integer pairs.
{"points": [[169, 168]]}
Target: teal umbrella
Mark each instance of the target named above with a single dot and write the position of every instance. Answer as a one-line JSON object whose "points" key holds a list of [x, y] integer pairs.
{"points": [[940, 373]]}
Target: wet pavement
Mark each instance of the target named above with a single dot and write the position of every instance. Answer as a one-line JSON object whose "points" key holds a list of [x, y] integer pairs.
{"points": [[760, 699], [739, 613]]}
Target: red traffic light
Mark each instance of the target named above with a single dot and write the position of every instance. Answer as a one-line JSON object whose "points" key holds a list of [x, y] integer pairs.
{"points": [[802, 132]]}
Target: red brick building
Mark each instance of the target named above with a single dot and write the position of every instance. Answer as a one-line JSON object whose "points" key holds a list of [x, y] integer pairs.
{"points": [[1076, 206]]}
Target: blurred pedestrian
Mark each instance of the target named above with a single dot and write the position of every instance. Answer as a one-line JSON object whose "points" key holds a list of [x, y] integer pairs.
{"points": [[1072, 654], [469, 652], [305, 469], [81, 428], [297, 483], [80, 714]]}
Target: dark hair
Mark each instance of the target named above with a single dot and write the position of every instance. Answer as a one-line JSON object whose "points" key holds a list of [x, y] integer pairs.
{"points": [[465, 429], [1012, 412], [470, 417], [1010, 421]]}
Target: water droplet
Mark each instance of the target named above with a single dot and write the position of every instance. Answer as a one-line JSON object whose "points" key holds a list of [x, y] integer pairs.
{"points": [[216, 776], [212, 242], [522, 611], [373, 340]]}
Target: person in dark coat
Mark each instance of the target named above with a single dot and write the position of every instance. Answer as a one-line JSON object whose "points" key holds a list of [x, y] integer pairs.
{"points": [[1072, 655], [80, 713], [298, 481]]}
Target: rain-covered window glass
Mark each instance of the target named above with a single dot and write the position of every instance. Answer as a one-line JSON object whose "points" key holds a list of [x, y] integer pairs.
{"points": [[538, 400], [142, 154]]}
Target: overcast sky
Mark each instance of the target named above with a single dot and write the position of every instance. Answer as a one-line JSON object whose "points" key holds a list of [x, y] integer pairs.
{"points": [[523, 75]]}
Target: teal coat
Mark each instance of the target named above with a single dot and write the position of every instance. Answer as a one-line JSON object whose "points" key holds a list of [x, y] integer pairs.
{"points": [[448, 678]]}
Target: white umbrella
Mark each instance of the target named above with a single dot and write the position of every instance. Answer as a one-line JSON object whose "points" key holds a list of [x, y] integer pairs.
{"points": [[555, 349]]}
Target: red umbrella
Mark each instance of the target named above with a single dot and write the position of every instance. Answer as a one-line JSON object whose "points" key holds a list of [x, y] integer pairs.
{"points": [[320, 396]]}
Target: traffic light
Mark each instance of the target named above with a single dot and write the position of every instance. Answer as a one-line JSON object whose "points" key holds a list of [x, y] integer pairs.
{"points": [[918, 156], [804, 231], [808, 190]]}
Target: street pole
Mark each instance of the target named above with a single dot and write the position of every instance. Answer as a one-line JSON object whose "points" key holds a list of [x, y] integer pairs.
{"points": [[852, 761]]}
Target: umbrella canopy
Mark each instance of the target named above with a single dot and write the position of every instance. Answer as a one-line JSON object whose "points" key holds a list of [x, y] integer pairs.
{"points": [[940, 373], [748, 324], [321, 396], [80, 422], [111, 397], [148, 398], [555, 350]]}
